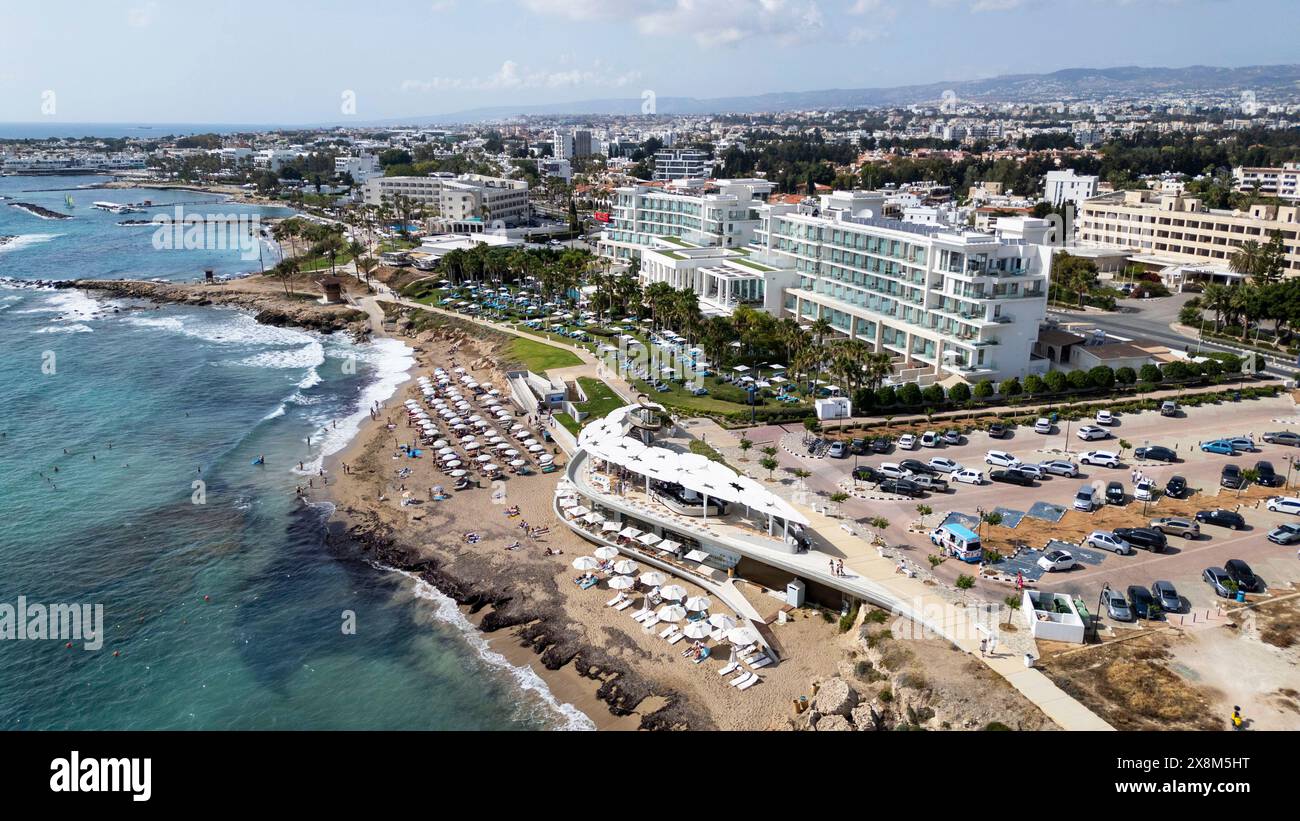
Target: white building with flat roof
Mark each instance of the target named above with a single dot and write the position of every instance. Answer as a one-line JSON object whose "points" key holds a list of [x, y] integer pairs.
{"points": [[722, 213], [1066, 186], [723, 278], [681, 164], [1281, 182], [460, 202]]}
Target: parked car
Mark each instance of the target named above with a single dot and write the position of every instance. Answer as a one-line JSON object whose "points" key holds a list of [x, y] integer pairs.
{"points": [[1284, 504], [1043, 425], [837, 450], [1175, 487], [1086, 499], [1284, 437], [1090, 432], [1117, 606], [969, 477], [1103, 458], [943, 464], [1011, 477], [931, 483], [1060, 467], [1243, 443], [814, 445], [866, 473], [1218, 580], [1144, 490], [858, 447], [953, 436], [1144, 538], [891, 470], [1168, 408], [999, 430], [1032, 471], [1284, 534], [930, 439], [1056, 560], [903, 487], [1144, 604], [881, 444], [1265, 475], [1241, 573], [1105, 417], [1177, 526], [1220, 446], [1166, 595], [1222, 518], [1000, 458], [1115, 493], [1105, 540], [1156, 453], [1231, 478], [907, 442], [700, 391], [916, 466]]}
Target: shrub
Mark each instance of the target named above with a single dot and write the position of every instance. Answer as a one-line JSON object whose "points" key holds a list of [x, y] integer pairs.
{"points": [[1056, 381], [934, 394], [965, 582], [1149, 373], [959, 393], [1034, 384], [886, 396], [846, 620], [1077, 379], [1126, 375], [984, 389], [909, 395], [1010, 387], [1101, 377]]}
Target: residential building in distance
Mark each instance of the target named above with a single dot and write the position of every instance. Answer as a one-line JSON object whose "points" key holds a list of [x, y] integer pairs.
{"points": [[944, 302], [681, 164], [562, 145], [464, 204], [361, 168], [1165, 229], [553, 167], [722, 213], [1281, 182], [581, 142], [1066, 186]]}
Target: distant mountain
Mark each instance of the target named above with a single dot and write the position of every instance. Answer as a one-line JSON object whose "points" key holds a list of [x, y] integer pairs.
{"points": [[1066, 84]]}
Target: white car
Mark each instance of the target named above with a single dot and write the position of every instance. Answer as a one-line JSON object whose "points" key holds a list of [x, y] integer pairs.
{"points": [[1103, 458], [945, 465], [1105, 540], [1105, 417], [969, 477], [892, 470], [1001, 459], [1144, 490], [1284, 504], [907, 442], [1043, 425], [1056, 560], [1089, 432], [929, 439]]}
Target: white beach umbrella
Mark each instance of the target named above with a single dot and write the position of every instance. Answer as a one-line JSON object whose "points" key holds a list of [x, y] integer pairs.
{"points": [[518, 463], [621, 582], [535, 448], [672, 612], [697, 603], [605, 552], [626, 567], [652, 578], [453, 463], [722, 621], [484, 458], [585, 563], [741, 636], [472, 446], [441, 443], [697, 630], [673, 592], [445, 450], [456, 474]]}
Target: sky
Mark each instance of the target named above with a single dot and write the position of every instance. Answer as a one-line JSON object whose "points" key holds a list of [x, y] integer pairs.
{"points": [[335, 61]]}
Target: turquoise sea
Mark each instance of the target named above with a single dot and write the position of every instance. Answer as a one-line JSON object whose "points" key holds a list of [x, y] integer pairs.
{"points": [[226, 614]]}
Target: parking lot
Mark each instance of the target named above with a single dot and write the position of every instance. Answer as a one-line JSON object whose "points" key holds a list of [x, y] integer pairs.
{"points": [[1033, 515]]}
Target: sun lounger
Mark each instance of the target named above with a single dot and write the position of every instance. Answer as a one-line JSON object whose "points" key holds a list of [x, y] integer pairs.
{"points": [[623, 605], [729, 669], [641, 615], [666, 633], [761, 661], [676, 638], [614, 600], [741, 679], [745, 685]]}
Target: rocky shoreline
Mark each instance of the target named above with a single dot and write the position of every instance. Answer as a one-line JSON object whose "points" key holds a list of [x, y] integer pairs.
{"points": [[39, 211], [268, 308]]}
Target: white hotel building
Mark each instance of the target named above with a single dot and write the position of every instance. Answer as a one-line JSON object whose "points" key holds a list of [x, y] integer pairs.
{"points": [[720, 213]]}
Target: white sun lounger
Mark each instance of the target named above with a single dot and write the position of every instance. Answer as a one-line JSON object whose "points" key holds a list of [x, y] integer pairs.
{"points": [[745, 685], [676, 638], [742, 678], [623, 605], [614, 600], [642, 614], [761, 661], [729, 669], [668, 632]]}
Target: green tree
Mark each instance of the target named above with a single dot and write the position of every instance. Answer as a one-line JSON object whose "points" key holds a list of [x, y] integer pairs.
{"points": [[959, 393], [984, 389], [1101, 377], [745, 446], [1149, 373], [1056, 381], [1034, 384], [769, 464], [1125, 375], [1010, 387], [909, 395]]}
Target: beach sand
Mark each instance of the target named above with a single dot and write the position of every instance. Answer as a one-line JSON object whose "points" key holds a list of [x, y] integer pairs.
{"points": [[590, 655]]}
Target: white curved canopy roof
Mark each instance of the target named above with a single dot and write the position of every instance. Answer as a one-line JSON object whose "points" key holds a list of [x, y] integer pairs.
{"points": [[607, 440]]}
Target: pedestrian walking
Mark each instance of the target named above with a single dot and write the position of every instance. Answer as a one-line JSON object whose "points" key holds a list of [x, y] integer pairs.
{"points": [[984, 644]]}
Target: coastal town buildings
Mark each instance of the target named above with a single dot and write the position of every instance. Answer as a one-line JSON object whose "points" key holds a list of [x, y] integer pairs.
{"points": [[681, 164], [722, 213], [1067, 187], [1281, 182], [463, 203]]}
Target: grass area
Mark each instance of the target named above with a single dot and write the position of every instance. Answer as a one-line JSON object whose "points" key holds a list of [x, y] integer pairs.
{"points": [[749, 263], [601, 401], [539, 357]]}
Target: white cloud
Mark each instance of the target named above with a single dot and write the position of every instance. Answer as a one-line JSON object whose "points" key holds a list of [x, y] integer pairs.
{"points": [[512, 76], [709, 22], [440, 6], [142, 15]]}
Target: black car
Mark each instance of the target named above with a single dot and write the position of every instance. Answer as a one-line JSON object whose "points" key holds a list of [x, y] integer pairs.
{"points": [[1231, 477], [903, 487], [1146, 538], [1143, 603], [866, 473], [917, 466], [1156, 453], [814, 445], [881, 444], [858, 447], [1283, 438], [1175, 487], [999, 430], [1266, 476], [1241, 573], [1222, 518], [1114, 493], [1012, 477]]}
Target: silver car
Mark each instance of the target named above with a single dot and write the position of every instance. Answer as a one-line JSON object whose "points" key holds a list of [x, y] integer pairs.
{"points": [[1060, 467]]}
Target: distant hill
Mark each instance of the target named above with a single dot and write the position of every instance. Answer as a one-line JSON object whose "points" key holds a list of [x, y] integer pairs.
{"points": [[1066, 84]]}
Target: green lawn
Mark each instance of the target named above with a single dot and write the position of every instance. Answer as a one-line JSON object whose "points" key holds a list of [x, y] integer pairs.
{"points": [[601, 398], [539, 357]]}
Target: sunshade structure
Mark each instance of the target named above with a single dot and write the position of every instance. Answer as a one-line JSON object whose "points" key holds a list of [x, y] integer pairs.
{"points": [[722, 621], [673, 592], [741, 636], [698, 603], [586, 563], [605, 553], [672, 612], [652, 578], [625, 567], [621, 582], [697, 630]]}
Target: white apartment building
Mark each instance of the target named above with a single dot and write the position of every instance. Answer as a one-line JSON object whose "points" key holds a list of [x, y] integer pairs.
{"points": [[562, 145], [552, 167], [464, 203], [944, 302], [1180, 229], [273, 159], [681, 164], [362, 168], [1281, 182], [723, 213], [722, 278], [1066, 186]]}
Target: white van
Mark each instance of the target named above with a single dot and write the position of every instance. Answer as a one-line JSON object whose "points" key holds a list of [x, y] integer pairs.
{"points": [[959, 542]]}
